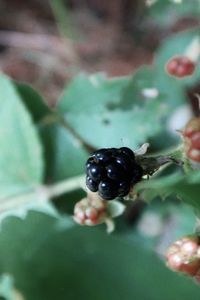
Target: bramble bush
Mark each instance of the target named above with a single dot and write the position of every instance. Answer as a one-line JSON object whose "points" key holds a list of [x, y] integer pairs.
{"points": [[44, 252]]}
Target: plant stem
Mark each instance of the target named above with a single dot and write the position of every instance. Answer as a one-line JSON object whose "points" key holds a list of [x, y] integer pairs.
{"points": [[62, 16], [42, 193], [66, 186]]}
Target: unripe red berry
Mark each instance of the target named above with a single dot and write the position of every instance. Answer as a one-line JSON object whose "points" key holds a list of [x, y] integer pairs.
{"points": [[90, 211], [192, 127], [189, 132], [189, 246], [193, 154], [180, 66], [184, 256], [195, 140], [190, 268], [191, 136], [174, 261]]}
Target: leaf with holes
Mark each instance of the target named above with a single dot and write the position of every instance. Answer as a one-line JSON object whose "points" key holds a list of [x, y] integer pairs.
{"points": [[131, 128], [92, 94], [100, 116]]}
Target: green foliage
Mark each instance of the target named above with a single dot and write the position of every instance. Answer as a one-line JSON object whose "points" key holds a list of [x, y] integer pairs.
{"points": [[167, 12], [64, 153], [43, 254], [6, 287], [33, 102], [147, 78], [162, 223], [185, 187], [93, 94], [61, 261], [21, 163], [116, 109]]}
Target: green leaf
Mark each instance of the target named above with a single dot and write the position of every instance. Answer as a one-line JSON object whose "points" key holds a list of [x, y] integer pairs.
{"points": [[64, 262], [147, 86], [35, 203], [6, 287], [33, 101], [65, 155], [186, 187], [166, 12], [116, 128], [21, 163], [162, 223], [155, 95], [93, 94], [101, 118]]}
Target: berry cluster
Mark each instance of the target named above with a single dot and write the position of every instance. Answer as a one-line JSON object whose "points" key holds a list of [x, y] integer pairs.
{"points": [[90, 211], [191, 134], [112, 172], [180, 66], [184, 256]]}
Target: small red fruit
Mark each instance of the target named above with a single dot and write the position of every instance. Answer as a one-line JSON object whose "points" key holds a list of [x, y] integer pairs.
{"points": [[90, 211], [195, 140], [194, 154], [174, 262], [184, 256], [180, 66], [191, 136], [192, 127]]}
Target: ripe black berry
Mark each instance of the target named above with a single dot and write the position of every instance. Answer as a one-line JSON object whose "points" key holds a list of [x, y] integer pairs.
{"points": [[125, 161], [137, 173], [95, 172], [91, 184], [90, 161], [127, 151], [123, 188], [112, 172], [103, 155], [108, 189], [115, 171]]}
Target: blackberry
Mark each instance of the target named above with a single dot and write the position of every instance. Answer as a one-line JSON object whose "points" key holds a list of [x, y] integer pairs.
{"points": [[137, 173], [102, 155], [91, 184], [115, 171], [90, 161], [125, 161], [108, 189], [95, 171], [127, 151], [123, 188], [112, 172]]}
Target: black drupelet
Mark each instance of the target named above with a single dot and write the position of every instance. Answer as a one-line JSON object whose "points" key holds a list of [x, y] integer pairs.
{"points": [[112, 172]]}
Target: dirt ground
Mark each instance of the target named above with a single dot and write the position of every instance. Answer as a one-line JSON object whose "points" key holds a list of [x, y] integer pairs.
{"points": [[93, 36]]}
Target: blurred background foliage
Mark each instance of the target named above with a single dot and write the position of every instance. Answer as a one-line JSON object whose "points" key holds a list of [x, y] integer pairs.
{"points": [[98, 61]]}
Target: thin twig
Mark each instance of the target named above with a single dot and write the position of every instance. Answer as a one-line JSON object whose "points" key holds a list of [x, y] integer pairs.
{"points": [[66, 186], [42, 194]]}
